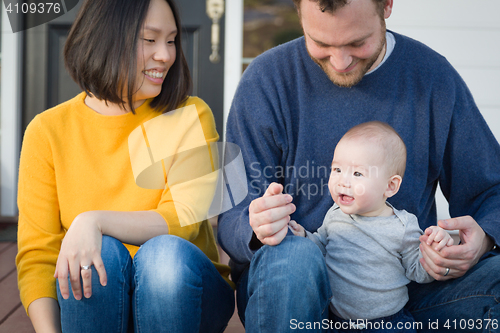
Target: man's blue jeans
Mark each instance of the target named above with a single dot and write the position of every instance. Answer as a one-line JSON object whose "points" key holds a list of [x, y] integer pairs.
{"points": [[401, 322], [169, 286], [285, 284], [467, 304], [288, 284]]}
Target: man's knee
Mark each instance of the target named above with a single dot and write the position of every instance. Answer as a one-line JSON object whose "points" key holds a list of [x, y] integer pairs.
{"points": [[295, 252], [295, 259], [486, 276], [290, 274]]}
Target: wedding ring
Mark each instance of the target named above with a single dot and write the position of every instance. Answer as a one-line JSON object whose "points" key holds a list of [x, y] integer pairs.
{"points": [[447, 271], [85, 267]]}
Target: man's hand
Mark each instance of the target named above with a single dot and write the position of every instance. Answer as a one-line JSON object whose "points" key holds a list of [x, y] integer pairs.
{"points": [[457, 258], [270, 214]]}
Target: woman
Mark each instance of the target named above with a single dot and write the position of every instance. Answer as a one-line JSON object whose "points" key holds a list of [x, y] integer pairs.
{"points": [[99, 249]]}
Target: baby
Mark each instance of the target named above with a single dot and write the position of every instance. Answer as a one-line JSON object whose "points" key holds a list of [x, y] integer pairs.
{"points": [[371, 248]]}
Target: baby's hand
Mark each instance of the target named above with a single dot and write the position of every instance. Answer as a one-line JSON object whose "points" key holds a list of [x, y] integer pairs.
{"points": [[439, 237], [296, 228]]}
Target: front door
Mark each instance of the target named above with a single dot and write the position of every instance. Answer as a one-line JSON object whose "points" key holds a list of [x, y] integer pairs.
{"points": [[46, 82]]}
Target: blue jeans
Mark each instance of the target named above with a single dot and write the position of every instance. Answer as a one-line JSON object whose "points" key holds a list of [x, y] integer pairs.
{"points": [[467, 304], [169, 286], [290, 281], [285, 284], [401, 322]]}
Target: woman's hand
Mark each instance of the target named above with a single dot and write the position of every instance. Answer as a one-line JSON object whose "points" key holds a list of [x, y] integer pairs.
{"points": [[80, 247], [82, 244]]}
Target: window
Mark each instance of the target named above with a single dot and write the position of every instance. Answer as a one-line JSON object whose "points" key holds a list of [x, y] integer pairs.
{"points": [[268, 23]]}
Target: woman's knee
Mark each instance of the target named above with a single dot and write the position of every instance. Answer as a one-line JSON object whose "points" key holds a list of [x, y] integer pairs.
{"points": [[167, 263], [117, 263], [114, 254], [108, 303], [112, 247], [166, 250]]}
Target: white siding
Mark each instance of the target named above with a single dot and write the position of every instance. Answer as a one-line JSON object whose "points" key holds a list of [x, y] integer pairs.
{"points": [[10, 117], [467, 33]]}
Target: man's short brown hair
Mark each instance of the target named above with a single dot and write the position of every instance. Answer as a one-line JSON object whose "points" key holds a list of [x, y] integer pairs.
{"points": [[101, 54], [332, 5]]}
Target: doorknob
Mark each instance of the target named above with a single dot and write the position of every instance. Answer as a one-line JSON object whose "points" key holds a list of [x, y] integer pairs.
{"points": [[215, 9]]}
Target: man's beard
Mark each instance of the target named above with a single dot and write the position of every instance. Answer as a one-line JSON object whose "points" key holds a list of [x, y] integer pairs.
{"points": [[353, 77]]}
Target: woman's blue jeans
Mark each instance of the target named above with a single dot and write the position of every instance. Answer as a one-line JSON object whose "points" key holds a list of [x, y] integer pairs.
{"points": [[288, 284], [169, 286]]}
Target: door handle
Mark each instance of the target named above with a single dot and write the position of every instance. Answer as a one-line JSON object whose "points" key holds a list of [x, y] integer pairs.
{"points": [[215, 10]]}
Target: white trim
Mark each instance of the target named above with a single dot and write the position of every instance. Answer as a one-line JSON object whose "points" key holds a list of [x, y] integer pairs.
{"points": [[233, 51], [247, 61], [10, 117]]}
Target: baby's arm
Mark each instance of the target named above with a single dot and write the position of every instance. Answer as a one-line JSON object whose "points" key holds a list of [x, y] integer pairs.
{"points": [[438, 238], [296, 228]]}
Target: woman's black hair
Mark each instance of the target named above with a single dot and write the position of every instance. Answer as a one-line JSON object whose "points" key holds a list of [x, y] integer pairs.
{"points": [[101, 53]]}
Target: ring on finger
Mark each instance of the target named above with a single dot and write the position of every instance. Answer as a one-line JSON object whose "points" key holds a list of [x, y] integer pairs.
{"points": [[447, 271], [85, 267]]}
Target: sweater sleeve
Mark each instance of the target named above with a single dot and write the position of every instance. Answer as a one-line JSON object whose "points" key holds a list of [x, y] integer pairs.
{"points": [[410, 251], [254, 125], [40, 231], [191, 173], [470, 178], [319, 238]]}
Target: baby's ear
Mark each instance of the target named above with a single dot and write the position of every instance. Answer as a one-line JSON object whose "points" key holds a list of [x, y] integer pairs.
{"points": [[393, 185]]}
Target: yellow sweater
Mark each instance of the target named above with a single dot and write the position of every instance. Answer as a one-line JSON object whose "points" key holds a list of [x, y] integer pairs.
{"points": [[75, 160]]}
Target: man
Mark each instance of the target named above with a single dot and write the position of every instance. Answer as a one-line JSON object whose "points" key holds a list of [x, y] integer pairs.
{"points": [[293, 105]]}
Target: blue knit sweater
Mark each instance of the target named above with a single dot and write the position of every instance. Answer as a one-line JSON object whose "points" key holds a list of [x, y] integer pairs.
{"points": [[287, 118]]}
